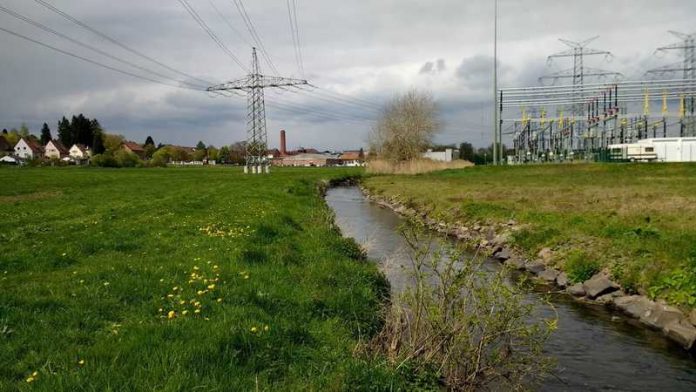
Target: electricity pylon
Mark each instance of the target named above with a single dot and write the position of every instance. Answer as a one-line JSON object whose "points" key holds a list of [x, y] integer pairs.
{"points": [[257, 140], [688, 45], [578, 51]]}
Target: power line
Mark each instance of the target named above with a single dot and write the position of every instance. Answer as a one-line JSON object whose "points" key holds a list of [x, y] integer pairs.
{"points": [[115, 41], [210, 32], [92, 48], [229, 24], [294, 32], [254, 35], [94, 62]]}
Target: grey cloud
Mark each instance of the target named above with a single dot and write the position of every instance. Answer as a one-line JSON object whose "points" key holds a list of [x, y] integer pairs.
{"points": [[367, 49]]}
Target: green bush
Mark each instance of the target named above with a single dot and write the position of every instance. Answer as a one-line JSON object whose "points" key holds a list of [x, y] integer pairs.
{"points": [[104, 160], [127, 159], [580, 267]]}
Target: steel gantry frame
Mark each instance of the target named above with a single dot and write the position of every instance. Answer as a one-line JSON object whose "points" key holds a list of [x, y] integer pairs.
{"points": [[540, 136]]}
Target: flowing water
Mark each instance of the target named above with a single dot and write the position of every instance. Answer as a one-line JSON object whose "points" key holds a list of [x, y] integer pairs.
{"points": [[595, 349]]}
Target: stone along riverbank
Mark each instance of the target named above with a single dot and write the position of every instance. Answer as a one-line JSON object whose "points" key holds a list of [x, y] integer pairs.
{"points": [[595, 347], [675, 324]]}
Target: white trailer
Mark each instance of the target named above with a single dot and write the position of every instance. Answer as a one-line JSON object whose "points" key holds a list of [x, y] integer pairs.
{"points": [[632, 152], [673, 149]]}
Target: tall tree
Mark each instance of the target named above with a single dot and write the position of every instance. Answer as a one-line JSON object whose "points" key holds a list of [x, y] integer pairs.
{"points": [[4, 131], [82, 129], [94, 128], [466, 152], [98, 142], [149, 141], [65, 133], [45, 134], [24, 130], [200, 145]]}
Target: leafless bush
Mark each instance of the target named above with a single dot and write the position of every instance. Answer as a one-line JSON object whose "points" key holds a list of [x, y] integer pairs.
{"points": [[405, 128], [473, 327]]}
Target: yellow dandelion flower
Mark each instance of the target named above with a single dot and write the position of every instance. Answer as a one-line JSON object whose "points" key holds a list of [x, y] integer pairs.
{"points": [[184, 313], [106, 283], [161, 280], [215, 267], [195, 268], [211, 286], [219, 300], [171, 314], [30, 379], [170, 295], [246, 276], [182, 302], [160, 310], [253, 330], [175, 288], [266, 328], [197, 311], [200, 292], [81, 362], [35, 374]]}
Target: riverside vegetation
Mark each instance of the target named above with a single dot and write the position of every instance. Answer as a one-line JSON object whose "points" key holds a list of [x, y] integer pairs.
{"points": [[632, 221]]}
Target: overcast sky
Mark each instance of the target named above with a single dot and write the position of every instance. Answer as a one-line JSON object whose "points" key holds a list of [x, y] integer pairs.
{"points": [[367, 50]]}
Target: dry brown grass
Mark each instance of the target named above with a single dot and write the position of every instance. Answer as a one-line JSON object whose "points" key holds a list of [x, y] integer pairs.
{"points": [[418, 166]]}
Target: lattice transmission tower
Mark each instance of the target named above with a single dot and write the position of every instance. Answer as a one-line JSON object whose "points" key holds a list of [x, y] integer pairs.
{"points": [[578, 51], [688, 67], [253, 85]]}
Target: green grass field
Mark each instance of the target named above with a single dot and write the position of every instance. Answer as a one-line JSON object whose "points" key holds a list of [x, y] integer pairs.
{"points": [[180, 280], [636, 220]]}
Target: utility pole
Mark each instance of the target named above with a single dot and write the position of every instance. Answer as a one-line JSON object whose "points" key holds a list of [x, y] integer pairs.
{"points": [[495, 83], [254, 84]]}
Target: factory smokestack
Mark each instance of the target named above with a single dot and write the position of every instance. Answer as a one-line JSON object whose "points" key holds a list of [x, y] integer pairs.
{"points": [[283, 148]]}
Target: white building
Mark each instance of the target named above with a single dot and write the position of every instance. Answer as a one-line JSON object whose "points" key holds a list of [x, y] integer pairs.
{"points": [[79, 151], [55, 150], [673, 149], [27, 149], [443, 156]]}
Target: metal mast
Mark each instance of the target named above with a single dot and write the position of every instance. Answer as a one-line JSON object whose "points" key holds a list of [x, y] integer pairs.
{"points": [[688, 45], [495, 86], [257, 141], [578, 51]]}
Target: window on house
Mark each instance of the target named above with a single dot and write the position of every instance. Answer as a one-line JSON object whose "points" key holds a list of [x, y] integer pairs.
{"points": [[649, 149]]}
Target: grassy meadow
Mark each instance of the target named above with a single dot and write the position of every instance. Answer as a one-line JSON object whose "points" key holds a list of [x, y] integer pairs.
{"points": [[636, 220], [181, 280]]}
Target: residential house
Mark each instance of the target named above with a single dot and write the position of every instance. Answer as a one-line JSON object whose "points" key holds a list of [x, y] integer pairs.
{"points": [[5, 147], [80, 152], [352, 158], [135, 148], [54, 149], [27, 148]]}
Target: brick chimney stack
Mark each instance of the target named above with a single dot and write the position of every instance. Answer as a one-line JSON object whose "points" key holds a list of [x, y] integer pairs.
{"points": [[283, 147]]}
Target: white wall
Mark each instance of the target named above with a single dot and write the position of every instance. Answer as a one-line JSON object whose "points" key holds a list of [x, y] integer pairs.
{"points": [[442, 156]]}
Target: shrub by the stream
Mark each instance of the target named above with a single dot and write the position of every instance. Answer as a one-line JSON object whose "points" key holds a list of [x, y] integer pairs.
{"points": [[472, 326], [580, 267]]}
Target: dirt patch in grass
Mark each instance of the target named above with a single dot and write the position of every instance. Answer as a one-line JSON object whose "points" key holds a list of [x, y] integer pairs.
{"points": [[29, 197]]}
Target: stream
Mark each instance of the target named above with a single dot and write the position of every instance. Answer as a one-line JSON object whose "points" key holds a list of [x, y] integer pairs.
{"points": [[595, 349]]}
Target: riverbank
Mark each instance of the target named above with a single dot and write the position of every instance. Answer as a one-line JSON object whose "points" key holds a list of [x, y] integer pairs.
{"points": [[182, 279], [618, 234]]}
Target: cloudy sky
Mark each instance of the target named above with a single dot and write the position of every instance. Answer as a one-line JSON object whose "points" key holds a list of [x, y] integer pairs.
{"points": [[359, 53]]}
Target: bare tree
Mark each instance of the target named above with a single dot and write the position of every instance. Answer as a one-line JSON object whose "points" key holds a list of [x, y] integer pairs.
{"points": [[406, 127]]}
